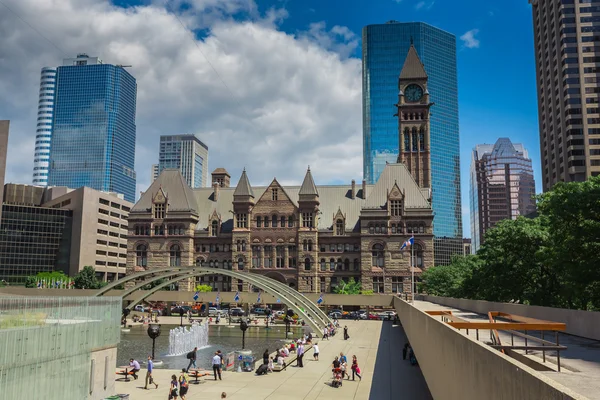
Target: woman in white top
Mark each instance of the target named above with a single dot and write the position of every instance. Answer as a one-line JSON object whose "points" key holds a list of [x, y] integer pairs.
{"points": [[270, 365], [316, 353]]}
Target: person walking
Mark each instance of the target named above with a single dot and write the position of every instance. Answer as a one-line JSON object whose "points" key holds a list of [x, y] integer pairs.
{"points": [[325, 333], [343, 365], [173, 388], [355, 368], [216, 365], [266, 356], [346, 337], [150, 367], [300, 353], [184, 383], [136, 367], [404, 351], [316, 351], [192, 357]]}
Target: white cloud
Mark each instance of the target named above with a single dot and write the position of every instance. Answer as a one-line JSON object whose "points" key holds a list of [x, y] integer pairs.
{"points": [[469, 39], [296, 100], [424, 5]]}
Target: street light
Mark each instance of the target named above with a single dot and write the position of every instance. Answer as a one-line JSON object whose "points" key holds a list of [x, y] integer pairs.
{"points": [[153, 332], [243, 328]]}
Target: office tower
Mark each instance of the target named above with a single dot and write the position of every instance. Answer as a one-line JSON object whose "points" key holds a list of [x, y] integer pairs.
{"points": [[154, 172], [502, 186], [43, 133], [567, 55], [385, 47], [93, 129], [187, 154], [4, 125]]}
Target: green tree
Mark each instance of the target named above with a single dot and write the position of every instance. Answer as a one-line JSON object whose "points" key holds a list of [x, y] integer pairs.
{"points": [[349, 287], [454, 280], [203, 288], [86, 279], [57, 276]]}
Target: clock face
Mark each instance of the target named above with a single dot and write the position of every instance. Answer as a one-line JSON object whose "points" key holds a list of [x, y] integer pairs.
{"points": [[413, 92]]}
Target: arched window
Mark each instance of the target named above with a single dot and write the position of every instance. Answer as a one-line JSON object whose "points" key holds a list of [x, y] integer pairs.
{"points": [[305, 245], [181, 230], [377, 229], [175, 256], [414, 139], [371, 229], [400, 228], [171, 230], [339, 227], [307, 264], [422, 139], [418, 258], [239, 245], [323, 265], [346, 265], [332, 264], [422, 115], [137, 230], [347, 247], [274, 219], [259, 222], [406, 139], [339, 264], [141, 255], [421, 228], [159, 230], [393, 229], [310, 247], [377, 259], [243, 245], [356, 264], [229, 265], [211, 263], [290, 221], [240, 263], [214, 228]]}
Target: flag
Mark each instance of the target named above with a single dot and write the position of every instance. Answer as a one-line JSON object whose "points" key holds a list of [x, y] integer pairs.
{"points": [[196, 296], [320, 300], [39, 284], [258, 300], [237, 297], [408, 243], [218, 297], [57, 284]]}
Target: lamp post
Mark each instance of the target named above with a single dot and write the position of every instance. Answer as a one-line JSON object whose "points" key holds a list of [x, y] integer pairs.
{"points": [[286, 320], [243, 327], [153, 332]]}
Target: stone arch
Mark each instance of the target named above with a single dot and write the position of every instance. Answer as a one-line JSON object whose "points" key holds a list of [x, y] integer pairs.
{"points": [[278, 276]]}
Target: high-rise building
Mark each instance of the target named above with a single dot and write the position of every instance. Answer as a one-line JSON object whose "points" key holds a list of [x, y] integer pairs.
{"points": [[43, 135], [187, 154], [154, 172], [384, 49], [502, 186], [566, 54], [93, 127]]}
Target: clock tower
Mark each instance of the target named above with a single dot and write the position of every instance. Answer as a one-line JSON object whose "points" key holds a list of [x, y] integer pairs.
{"points": [[413, 119]]}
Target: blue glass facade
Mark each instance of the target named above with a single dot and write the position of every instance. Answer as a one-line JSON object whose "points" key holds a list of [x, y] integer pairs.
{"points": [[385, 47], [93, 141]]}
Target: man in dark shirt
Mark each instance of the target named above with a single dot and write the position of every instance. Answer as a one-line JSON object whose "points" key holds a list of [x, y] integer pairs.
{"points": [[192, 357], [336, 364]]}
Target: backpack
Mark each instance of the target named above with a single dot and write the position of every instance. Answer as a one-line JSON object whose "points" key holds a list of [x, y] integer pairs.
{"points": [[190, 355]]}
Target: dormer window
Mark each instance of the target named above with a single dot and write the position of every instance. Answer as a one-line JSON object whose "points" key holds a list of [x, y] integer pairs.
{"points": [[339, 227], [159, 210], [214, 228], [274, 194], [396, 208]]}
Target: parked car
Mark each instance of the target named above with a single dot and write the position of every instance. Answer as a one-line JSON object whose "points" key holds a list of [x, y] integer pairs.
{"points": [[374, 317], [236, 312], [335, 314], [258, 311], [388, 315], [139, 308], [214, 311]]}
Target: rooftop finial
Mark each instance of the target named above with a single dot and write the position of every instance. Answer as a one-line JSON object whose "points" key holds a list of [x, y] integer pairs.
{"points": [[309, 167]]}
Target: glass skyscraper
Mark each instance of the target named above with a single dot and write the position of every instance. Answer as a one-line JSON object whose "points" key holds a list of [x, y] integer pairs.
{"points": [[93, 129], [186, 153], [43, 134], [384, 49]]}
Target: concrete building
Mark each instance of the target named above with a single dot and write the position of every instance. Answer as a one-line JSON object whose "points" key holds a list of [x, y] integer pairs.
{"points": [[43, 134], [502, 186], [93, 127], [384, 55], [187, 154], [467, 246], [4, 125], [565, 35], [66, 230], [154, 172]]}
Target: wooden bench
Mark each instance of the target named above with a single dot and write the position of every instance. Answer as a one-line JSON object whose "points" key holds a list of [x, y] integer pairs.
{"points": [[198, 373]]}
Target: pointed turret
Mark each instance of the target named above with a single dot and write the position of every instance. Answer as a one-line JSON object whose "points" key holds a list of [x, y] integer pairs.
{"points": [[308, 190], [413, 67], [243, 190]]}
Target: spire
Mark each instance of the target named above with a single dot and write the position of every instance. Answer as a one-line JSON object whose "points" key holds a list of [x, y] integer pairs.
{"points": [[243, 187], [413, 67], [308, 186]]}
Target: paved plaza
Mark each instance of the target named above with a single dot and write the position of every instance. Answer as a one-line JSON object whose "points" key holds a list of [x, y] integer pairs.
{"points": [[377, 345]]}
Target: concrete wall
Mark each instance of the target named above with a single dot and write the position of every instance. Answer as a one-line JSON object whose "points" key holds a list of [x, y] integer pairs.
{"points": [[458, 367], [105, 363], [579, 323]]}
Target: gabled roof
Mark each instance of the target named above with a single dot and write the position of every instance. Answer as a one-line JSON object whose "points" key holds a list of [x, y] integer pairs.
{"points": [[413, 67], [243, 187], [396, 174], [308, 186], [179, 195]]}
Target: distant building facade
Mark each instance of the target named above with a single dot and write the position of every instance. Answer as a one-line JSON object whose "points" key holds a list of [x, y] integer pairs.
{"points": [[383, 54], [467, 246], [59, 229], [502, 186], [188, 154], [4, 126], [309, 237], [43, 134], [93, 127], [154, 172]]}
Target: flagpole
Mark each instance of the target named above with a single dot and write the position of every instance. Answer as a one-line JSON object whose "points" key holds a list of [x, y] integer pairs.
{"points": [[412, 271]]}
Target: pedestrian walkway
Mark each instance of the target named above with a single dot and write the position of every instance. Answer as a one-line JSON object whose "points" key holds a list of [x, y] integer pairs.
{"points": [[376, 344]]}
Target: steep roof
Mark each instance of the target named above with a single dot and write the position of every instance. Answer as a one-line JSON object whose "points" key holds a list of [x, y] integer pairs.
{"points": [[331, 198], [413, 67], [243, 187], [180, 196], [308, 186], [221, 171]]}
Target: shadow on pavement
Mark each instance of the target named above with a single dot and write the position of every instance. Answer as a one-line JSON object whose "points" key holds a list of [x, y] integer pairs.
{"points": [[393, 377]]}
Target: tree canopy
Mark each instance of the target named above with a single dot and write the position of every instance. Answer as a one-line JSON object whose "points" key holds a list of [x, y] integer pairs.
{"points": [[549, 260], [87, 279]]}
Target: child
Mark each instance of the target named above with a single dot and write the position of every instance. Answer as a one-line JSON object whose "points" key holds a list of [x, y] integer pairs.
{"points": [[316, 349], [270, 366]]}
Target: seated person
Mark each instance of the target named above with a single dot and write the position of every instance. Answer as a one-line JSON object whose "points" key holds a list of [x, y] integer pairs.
{"points": [[293, 347], [280, 361], [285, 351]]}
